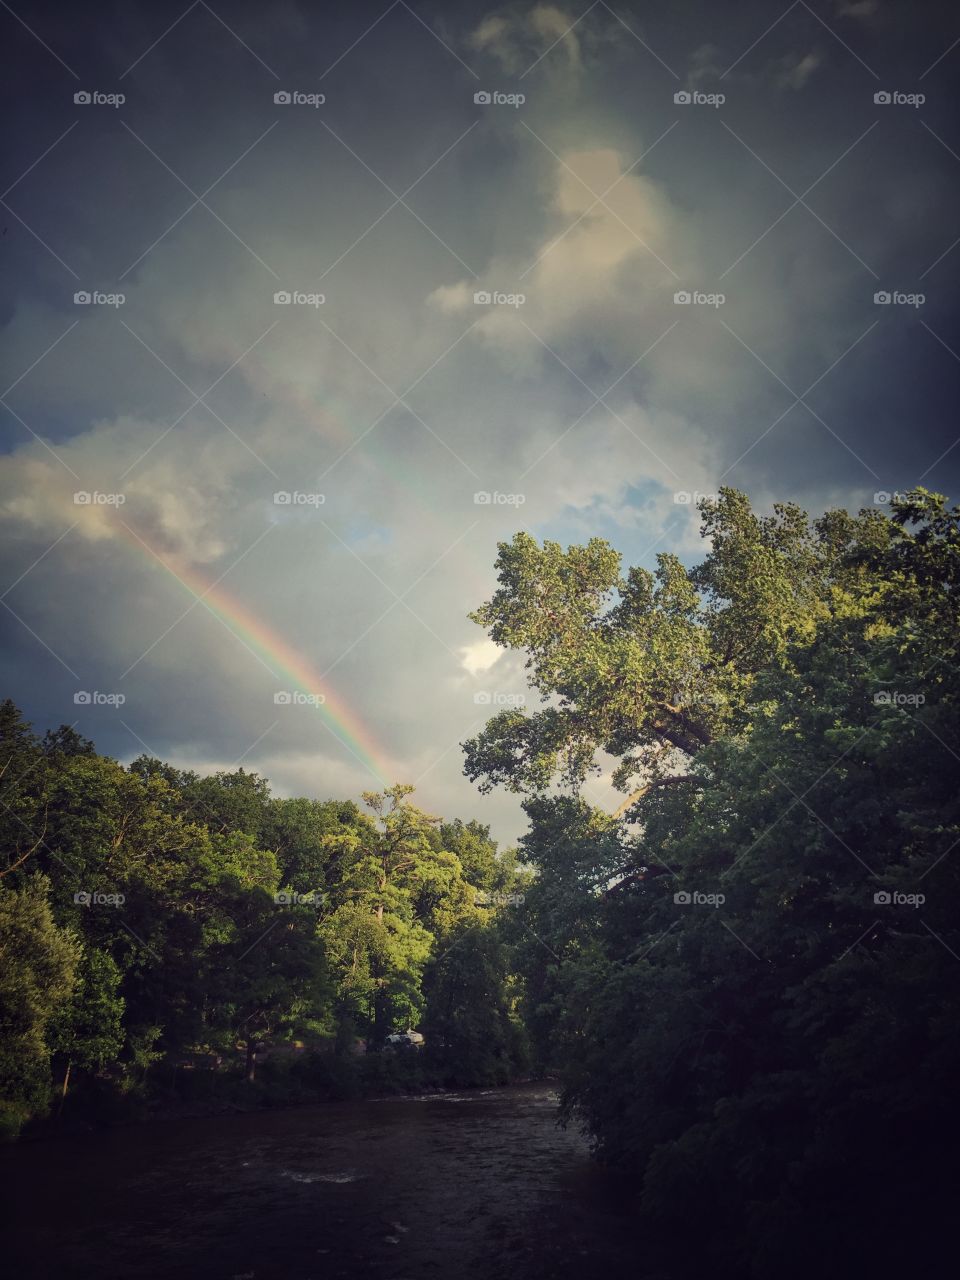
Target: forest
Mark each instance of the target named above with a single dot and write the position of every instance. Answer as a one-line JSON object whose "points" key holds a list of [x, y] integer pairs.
{"points": [[161, 929], [744, 978]]}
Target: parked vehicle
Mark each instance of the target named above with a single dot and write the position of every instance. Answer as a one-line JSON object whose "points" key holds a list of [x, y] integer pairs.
{"points": [[403, 1040]]}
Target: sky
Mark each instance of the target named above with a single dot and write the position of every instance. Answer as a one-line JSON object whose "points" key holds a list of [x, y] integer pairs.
{"points": [[307, 306]]}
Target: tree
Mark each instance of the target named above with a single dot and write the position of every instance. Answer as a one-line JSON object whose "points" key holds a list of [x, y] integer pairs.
{"points": [[477, 853], [396, 893], [753, 999], [313, 840], [65, 741], [38, 965], [23, 777], [267, 978], [170, 914], [471, 1026], [88, 1031], [229, 802], [651, 667]]}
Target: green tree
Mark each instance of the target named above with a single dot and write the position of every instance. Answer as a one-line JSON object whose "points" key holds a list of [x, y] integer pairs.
{"points": [[202, 914], [88, 1032], [648, 667], [772, 1051], [472, 1028], [267, 978], [229, 802], [396, 893], [312, 840], [24, 770], [38, 964], [477, 853]]}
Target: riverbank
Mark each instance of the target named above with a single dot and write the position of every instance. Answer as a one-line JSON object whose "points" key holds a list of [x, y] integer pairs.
{"points": [[314, 1079]]}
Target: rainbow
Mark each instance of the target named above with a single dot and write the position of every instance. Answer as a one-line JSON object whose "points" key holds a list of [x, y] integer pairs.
{"points": [[277, 656]]}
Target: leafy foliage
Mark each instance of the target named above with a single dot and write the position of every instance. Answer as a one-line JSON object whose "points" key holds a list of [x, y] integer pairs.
{"points": [[753, 997], [38, 964], [152, 919]]}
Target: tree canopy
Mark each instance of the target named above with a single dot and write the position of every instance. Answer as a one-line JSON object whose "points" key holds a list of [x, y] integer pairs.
{"points": [[752, 997], [152, 918]]}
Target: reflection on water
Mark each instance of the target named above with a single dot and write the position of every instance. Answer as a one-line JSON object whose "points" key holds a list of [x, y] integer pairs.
{"points": [[465, 1184]]}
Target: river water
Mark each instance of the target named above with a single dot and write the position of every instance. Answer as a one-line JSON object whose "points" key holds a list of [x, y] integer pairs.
{"points": [[463, 1185]]}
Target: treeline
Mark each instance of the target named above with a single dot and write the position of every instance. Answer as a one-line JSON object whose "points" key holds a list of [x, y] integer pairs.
{"points": [[750, 982], [161, 932]]}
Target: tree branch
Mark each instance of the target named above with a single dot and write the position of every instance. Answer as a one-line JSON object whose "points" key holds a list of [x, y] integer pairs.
{"points": [[33, 848], [647, 873], [651, 786]]}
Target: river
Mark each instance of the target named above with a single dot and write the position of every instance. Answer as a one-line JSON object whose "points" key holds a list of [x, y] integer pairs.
{"points": [[463, 1185]]}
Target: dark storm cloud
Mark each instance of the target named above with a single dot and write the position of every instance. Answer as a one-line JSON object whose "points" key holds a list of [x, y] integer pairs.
{"points": [[596, 399]]}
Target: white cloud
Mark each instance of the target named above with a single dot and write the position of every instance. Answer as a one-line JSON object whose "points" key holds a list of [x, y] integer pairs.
{"points": [[520, 38], [793, 71], [480, 656]]}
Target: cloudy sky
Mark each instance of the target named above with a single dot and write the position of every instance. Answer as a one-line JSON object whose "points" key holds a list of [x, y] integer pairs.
{"points": [[619, 159]]}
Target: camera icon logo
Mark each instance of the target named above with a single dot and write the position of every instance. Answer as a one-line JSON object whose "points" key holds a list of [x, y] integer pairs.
{"points": [[81, 698], [682, 898], [882, 298], [881, 498], [82, 298], [882, 98], [482, 98], [82, 498], [82, 899], [282, 98], [482, 698], [882, 898], [682, 498], [281, 298], [482, 499], [282, 698], [682, 98], [482, 298], [682, 297], [82, 98], [283, 899], [283, 499]]}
